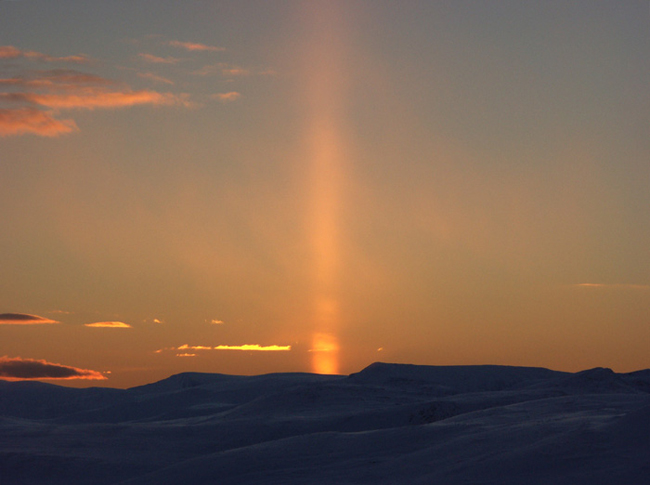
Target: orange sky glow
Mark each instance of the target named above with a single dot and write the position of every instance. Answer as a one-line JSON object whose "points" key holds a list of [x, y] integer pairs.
{"points": [[339, 181]]}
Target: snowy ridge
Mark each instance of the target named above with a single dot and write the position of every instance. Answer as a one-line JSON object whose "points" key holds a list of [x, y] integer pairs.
{"points": [[388, 424]]}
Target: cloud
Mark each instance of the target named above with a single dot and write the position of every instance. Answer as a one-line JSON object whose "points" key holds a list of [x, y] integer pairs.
{"points": [[222, 68], [22, 121], [94, 98], [11, 52], [23, 319], [612, 286], [226, 97], [155, 78], [18, 368], [246, 347], [108, 325], [186, 355], [193, 46], [254, 347], [157, 60], [56, 79], [216, 322], [32, 100], [193, 347]]}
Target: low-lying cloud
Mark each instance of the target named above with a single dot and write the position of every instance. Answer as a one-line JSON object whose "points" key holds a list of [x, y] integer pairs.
{"points": [[245, 347], [24, 319], [17, 368], [108, 325], [614, 286]]}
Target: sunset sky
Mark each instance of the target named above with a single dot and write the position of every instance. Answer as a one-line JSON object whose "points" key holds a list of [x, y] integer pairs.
{"points": [[248, 187]]}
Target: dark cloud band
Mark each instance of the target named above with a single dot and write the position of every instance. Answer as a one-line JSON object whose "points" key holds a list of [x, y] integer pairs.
{"points": [[19, 368]]}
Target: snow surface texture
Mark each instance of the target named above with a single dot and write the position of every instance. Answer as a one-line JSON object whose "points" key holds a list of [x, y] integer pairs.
{"points": [[388, 424]]}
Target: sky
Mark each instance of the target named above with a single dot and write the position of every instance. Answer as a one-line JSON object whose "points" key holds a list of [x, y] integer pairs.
{"points": [[313, 186]]}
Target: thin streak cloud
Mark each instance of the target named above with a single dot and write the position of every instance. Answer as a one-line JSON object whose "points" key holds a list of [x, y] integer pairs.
{"points": [[226, 97], [155, 78], [194, 46], [108, 325], [255, 347], [93, 99], [612, 286], [17, 368], [11, 52], [245, 347], [157, 60], [24, 319]]}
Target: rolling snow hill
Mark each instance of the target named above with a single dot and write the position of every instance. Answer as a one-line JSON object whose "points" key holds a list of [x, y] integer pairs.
{"points": [[388, 424]]}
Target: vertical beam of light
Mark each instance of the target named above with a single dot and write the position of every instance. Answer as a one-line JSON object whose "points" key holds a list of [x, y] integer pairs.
{"points": [[326, 158]]}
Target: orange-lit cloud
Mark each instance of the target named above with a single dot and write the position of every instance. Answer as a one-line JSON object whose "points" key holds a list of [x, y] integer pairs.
{"points": [[158, 60], [193, 347], [216, 322], [615, 285], [108, 325], [22, 121], [226, 97], [11, 52], [155, 78], [66, 89], [18, 368], [95, 98], [24, 319], [254, 347], [185, 355], [57, 79], [225, 69], [246, 347], [194, 46]]}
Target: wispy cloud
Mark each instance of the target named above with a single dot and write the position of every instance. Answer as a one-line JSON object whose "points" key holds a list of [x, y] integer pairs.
{"points": [[31, 101], [158, 60], [33, 121], [194, 46], [214, 321], [108, 325], [55, 79], [17, 368], [11, 52], [223, 69], [24, 319], [226, 97], [155, 78], [94, 98], [614, 285]]}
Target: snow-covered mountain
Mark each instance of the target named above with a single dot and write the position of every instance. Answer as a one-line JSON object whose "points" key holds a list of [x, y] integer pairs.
{"points": [[388, 424]]}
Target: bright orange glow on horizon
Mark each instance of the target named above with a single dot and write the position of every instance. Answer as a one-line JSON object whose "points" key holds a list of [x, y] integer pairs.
{"points": [[325, 358]]}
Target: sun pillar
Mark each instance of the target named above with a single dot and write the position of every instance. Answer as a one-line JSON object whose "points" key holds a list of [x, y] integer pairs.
{"points": [[326, 157]]}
